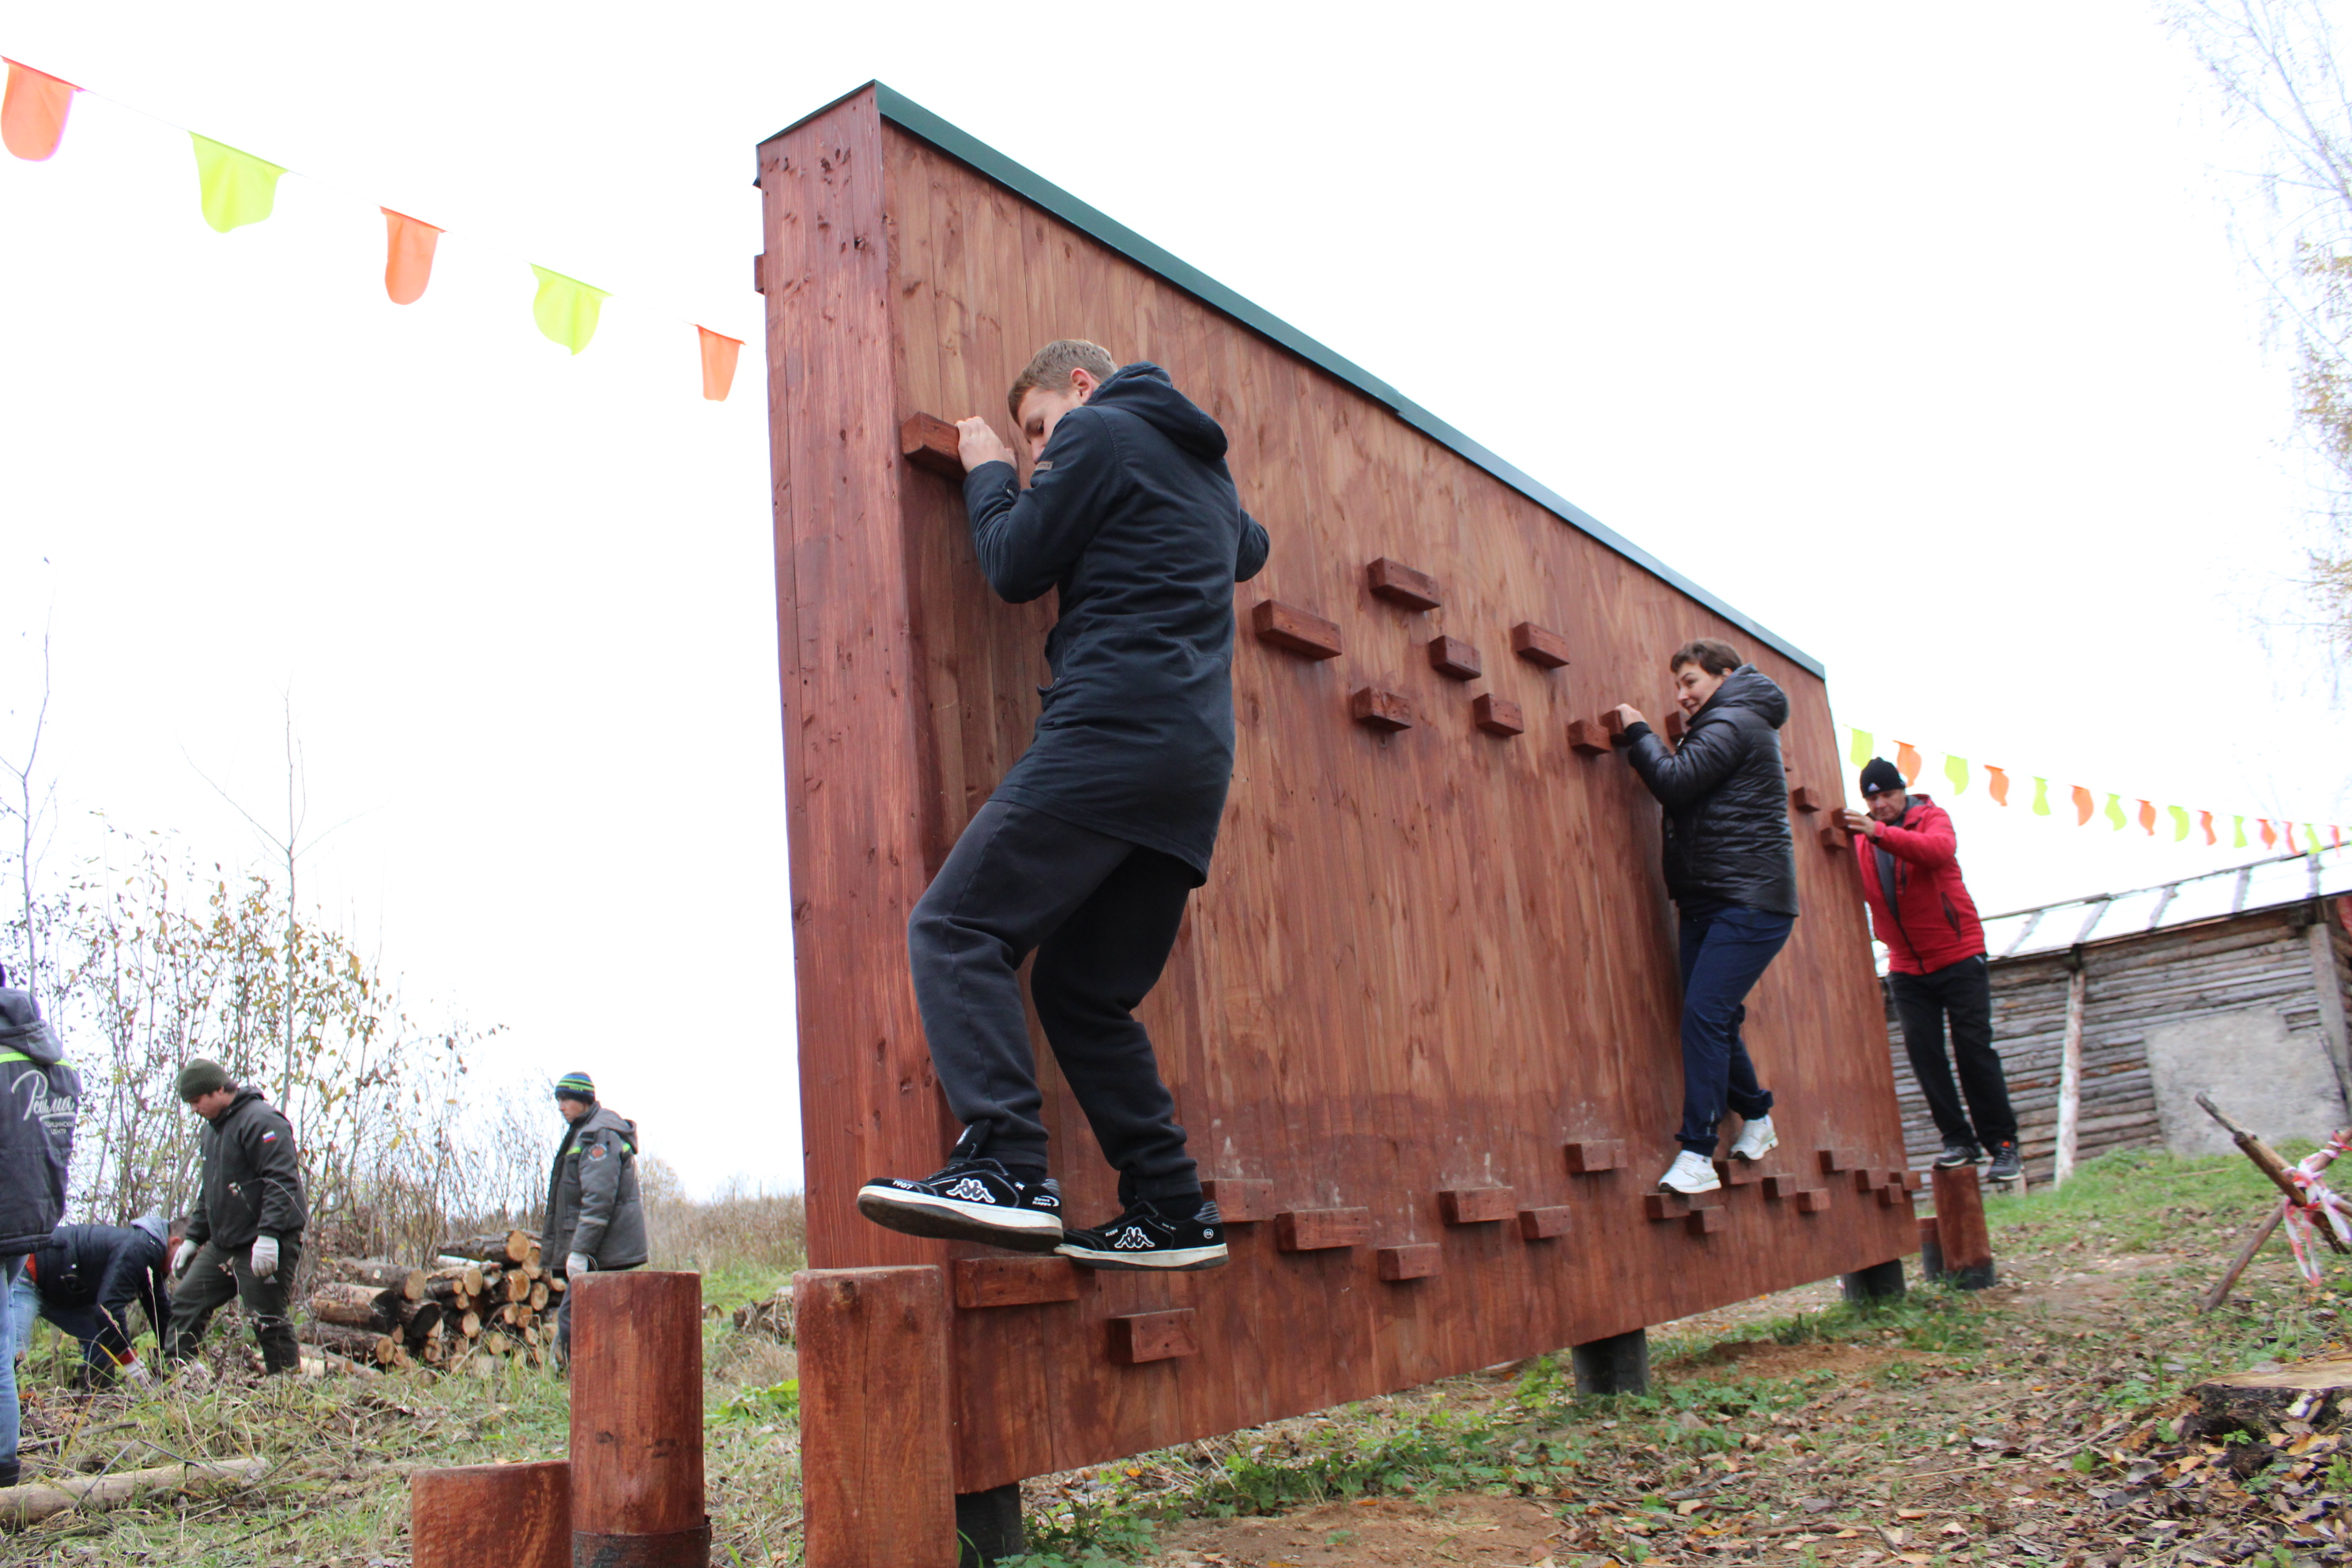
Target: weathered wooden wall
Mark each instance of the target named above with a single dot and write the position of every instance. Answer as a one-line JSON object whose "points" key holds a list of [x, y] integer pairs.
{"points": [[2135, 982], [1426, 960]]}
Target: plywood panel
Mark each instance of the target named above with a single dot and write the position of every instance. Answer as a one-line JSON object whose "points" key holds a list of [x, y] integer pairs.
{"points": [[1426, 959]]}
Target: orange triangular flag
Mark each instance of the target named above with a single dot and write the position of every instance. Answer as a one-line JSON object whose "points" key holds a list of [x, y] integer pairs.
{"points": [[2270, 834], [2083, 806], [1999, 784], [1906, 762], [2147, 818], [718, 352], [33, 112], [2206, 819], [407, 256]]}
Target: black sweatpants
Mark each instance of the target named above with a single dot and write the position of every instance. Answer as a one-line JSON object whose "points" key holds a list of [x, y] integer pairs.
{"points": [[1962, 992], [1101, 914], [221, 1275]]}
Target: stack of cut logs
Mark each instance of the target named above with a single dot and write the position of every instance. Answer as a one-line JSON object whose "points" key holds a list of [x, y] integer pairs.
{"points": [[484, 1296]]}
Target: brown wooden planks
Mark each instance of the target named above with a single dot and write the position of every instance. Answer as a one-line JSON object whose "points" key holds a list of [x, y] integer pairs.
{"points": [[1139, 1337], [1013, 1281], [874, 1403], [1420, 963], [518, 1516]]}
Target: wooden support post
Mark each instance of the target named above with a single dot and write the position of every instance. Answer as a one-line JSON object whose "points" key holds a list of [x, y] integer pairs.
{"points": [[636, 1421], [2070, 1078], [2327, 985], [2222, 1287], [1931, 1249], [988, 1526], [877, 1465], [1879, 1282], [1618, 1364], [1961, 1225], [516, 1516]]}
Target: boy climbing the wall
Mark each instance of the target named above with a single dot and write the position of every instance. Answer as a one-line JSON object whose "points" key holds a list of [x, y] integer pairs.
{"points": [[1089, 847]]}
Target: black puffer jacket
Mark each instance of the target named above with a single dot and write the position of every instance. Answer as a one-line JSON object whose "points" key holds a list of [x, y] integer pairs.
{"points": [[252, 1182], [40, 1095], [1132, 516], [1727, 798], [109, 1266]]}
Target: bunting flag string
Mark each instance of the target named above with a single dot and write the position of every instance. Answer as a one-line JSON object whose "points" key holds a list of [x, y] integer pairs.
{"points": [[2180, 823], [236, 188]]}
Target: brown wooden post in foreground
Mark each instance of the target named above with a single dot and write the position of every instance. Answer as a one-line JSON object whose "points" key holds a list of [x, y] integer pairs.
{"points": [[636, 1422], [516, 1516], [1960, 1226], [877, 1462]]}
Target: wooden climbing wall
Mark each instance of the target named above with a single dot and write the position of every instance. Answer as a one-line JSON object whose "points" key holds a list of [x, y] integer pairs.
{"points": [[1421, 1021]]}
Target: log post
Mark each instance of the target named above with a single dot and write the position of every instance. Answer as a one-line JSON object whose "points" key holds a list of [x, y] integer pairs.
{"points": [[988, 1526], [516, 1516], [1931, 1249], [2070, 1078], [1879, 1282], [636, 1422], [1618, 1364], [1961, 1225], [878, 1461]]}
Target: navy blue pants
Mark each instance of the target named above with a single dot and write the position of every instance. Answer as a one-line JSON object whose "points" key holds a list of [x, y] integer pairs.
{"points": [[1726, 948]]}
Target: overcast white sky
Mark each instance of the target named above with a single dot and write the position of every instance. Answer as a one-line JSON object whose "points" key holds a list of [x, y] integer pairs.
{"points": [[1915, 333]]}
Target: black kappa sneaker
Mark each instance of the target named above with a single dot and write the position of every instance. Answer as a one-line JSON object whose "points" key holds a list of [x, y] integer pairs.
{"points": [[1143, 1237], [2007, 1165], [970, 1200], [1958, 1152]]}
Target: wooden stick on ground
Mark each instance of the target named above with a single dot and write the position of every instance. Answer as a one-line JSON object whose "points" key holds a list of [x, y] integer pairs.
{"points": [[2220, 1292], [27, 1504]]}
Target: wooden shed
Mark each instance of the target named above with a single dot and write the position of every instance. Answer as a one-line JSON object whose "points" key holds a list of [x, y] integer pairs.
{"points": [[1422, 1022], [2234, 983]]}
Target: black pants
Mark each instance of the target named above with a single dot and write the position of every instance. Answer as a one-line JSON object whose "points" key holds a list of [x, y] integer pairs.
{"points": [[220, 1275], [1962, 991], [1101, 914]]}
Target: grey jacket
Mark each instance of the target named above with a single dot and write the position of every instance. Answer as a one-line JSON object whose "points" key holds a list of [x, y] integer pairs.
{"points": [[252, 1180], [593, 1206], [40, 1096]]}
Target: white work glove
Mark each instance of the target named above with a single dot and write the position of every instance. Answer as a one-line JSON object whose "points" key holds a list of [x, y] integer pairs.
{"points": [[184, 1261], [136, 1371], [265, 1256], [579, 1263]]}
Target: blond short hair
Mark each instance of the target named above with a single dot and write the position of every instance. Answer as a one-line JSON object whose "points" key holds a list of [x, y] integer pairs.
{"points": [[1051, 367]]}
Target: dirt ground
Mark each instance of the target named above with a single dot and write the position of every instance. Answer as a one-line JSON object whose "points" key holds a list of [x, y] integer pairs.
{"points": [[2036, 1422]]}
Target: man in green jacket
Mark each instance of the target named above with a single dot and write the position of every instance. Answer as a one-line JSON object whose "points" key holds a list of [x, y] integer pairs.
{"points": [[595, 1219], [245, 1234]]}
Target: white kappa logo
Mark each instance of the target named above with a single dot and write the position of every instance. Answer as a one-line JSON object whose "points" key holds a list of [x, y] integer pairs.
{"points": [[972, 1191]]}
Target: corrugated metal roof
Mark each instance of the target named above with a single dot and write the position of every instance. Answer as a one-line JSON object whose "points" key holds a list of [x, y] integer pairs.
{"points": [[917, 120], [2104, 917]]}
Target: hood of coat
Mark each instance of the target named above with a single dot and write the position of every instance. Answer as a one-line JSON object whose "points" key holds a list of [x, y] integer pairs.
{"points": [[1144, 390], [245, 1096], [22, 1030], [154, 1224], [605, 1120], [1748, 687]]}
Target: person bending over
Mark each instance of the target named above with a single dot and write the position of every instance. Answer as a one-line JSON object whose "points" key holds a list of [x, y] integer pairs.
{"points": [[1731, 870], [1087, 850], [1920, 909], [86, 1278], [244, 1237]]}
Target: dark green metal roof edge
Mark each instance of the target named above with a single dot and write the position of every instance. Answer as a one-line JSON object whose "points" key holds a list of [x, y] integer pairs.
{"points": [[909, 116]]}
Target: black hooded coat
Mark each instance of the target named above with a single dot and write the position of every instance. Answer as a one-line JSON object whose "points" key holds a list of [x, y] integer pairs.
{"points": [[1132, 516], [40, 1095], [1727, 798]]}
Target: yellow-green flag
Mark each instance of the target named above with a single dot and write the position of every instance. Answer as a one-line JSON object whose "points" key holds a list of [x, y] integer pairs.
{"points": [[566, 309], [1957, 770], [2041, 797], [238, 187], [2116, 812], [2241, 831], [2179, 823], [2311, 836], [1859, 754]]}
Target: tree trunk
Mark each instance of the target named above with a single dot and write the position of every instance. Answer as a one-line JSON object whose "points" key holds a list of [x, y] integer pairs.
{"points": [[419, 1319], [356, 1306], [514, 1247], [24, 1505], [360, 1345]]}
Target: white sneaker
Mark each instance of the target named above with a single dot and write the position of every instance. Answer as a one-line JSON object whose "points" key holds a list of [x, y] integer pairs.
{"points": [[1756, 1139], [1689, 1175]]}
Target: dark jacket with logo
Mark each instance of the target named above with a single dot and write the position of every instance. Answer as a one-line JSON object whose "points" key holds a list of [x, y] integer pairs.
{"points": [[1919, 906], [252, 1184], [110, 1268], [1132, 516], [1727, 798], [40, 1095], [593, 1206]]}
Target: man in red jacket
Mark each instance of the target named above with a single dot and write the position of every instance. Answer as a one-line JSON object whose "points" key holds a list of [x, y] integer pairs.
{"points": [[1936, 954]]}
